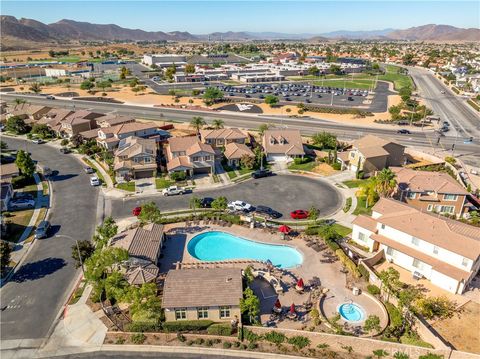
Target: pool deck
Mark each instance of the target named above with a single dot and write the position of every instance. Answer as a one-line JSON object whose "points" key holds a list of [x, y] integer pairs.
{"points": [[329, 273]]}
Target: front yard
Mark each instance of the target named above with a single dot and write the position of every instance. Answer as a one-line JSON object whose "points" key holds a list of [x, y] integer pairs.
{"points": [[361, 207], [17, 222], [161, 183], [127, 186], [354, 183]]}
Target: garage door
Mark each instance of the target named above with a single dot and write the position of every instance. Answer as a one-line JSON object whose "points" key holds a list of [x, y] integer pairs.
{"points": [[276, 158], [201, 170], [143, 174]]}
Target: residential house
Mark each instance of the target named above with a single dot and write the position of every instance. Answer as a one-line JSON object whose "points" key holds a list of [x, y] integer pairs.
{"points": [[234, 153], [282, 145], [195, 294], [144, 245], [8, 171], [109, 137], [221, 137], [29, 113], [442, 250], [190, 155], [54, 117], [6, 195], [431, 191], [135, 158], [113, 119], [371, 153], [77, 122]]}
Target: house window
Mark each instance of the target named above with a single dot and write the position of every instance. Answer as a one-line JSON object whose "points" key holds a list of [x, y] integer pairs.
{"points": [[147, 159], [465, 262], [435, 250], [196, 159], [208, 158], [390, 251], [450, 197], [361, 236], [418, 264], [383, 226], [411, 195], [202, 312], [446, 209], [415, 241], [430, 207], [224, 312], [180, 313]]}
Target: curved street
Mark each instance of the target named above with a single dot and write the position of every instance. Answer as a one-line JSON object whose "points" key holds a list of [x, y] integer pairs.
{"points": [[34, 295], [283, 193]]}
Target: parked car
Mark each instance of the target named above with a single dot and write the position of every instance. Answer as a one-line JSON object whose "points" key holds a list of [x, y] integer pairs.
{"points": [[88, 170], [240, 206], [403, 132], [350, 98], [299, 214], [136, 211], [22, 203], [46, 171], [261, 173], [22, 195], [206, 202], [38, 141], [50, 97], [173, 191], [268, 212], [65, 150], [42, 230], [94, 181]]}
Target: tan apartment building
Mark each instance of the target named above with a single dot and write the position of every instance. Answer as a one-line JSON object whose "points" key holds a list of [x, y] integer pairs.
{"points": [[135, 158], [431, 191], [190, 155], [195, 294]]}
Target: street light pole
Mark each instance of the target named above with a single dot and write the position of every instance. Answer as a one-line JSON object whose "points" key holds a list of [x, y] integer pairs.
{"points": [[80, 257]]}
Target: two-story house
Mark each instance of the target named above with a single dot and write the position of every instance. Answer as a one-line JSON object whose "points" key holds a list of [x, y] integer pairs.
{"points": [[77, 122], [29, 113], [282, 145], [444, 251], [431, 191], [135, 158], [371, 153], [221, 137], [54, 117], [109, 137], [113, 119], [188, 154]]}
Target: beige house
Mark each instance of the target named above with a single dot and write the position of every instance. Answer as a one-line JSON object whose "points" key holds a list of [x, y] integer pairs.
{"points": [[372, 153], [29, 113], [234, 153], [8, 171], [112, 119], [54, 117], [222, 137], [431, 191], [190, 155], [135, 158], [194, 294], [77, 122], [282, 145], [109, 137]]}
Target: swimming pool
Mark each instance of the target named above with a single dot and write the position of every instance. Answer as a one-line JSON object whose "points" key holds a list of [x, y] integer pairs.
{"points": [[351, 312], [218, 246]]}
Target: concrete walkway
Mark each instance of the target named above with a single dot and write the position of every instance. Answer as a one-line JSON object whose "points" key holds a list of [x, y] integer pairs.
{"points": [[222, 175], [106, 176]]}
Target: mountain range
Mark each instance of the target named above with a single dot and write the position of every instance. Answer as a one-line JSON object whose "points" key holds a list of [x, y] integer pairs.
{"points": [[29, 33]]}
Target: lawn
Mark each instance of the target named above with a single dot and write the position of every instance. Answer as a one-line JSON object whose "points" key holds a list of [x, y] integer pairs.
{"points": [[399, 80], [127, 186], [230, 171], [308, 166], [354, 183], [244, 171], [361, 209], [342, 230], [161, 183], [17, 222], [362, 84]]}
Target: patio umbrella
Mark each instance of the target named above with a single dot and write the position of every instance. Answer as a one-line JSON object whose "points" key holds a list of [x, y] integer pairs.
{"points": [[284, 229], [300, 284], [292, 309], [277, 304]]}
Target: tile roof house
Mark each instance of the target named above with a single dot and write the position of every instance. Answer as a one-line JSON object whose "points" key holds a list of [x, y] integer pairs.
{"points": [[223, 136], [54, 117], [282, 145], [444, 251], [371, 153], [234, 153], [136, 158], [193, 294], [8, 171], [431, 191], [190, 155], [30, 113], [77, 122], [113, 119], [109, 137]]}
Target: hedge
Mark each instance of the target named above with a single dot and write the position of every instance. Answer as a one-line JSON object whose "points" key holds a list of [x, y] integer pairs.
{"points": [[333, 246], [474, 105], [373, 289], [347, 262], [143, 327], [349, 111], [220, 329], [364, 272], [186, 325], [311, 231]]}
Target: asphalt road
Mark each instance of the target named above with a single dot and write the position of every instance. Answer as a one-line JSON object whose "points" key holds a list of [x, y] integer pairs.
{"points": [[283, 193], [33, 297]]}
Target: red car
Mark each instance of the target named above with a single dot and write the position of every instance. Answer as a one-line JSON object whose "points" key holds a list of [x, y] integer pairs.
{"points": [[136, 211], [299, 214]]}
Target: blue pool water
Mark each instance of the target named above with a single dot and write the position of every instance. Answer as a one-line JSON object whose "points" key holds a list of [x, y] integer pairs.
{"points": [[351, 312], [218, 246]]}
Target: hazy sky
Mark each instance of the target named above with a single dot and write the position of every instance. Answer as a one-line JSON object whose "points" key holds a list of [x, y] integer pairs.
{"points": [[279, 16]]}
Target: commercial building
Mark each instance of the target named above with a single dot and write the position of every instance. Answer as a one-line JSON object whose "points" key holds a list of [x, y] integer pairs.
{"points": [[164, 60]]}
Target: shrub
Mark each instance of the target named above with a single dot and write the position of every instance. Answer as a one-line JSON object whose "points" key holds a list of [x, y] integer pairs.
{"points": [[227, 345], [364, 272], [396, 319], [299, 341], [322, 346], [236, 344], [435, 307], [252, 346], [120, 341], [199, 341], [431, 356], [181, 337], [299, 161], [311, 231], [220, 329], [348, 204], [332, 245], [186, 325], [209, 342], [373, 289], [21, 181], [275, 337], [143, 327], [189, 342], [336, 166], [138, 338], [347, 262], [251, 336], [178, 176]]}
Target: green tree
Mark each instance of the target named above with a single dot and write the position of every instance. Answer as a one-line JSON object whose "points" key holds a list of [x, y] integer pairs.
{"points": [[195, 203], [115, 286], [105, 232], [314, 71], [372, 324], [42, 130], [405, 93], [3, 145], [408, 59], [247, 162], [325, 140], [25, 163], [190, 69], [368, 190], [408, 296], [271, 100], [218, 124], [86, 250], [250, 305], [262, 128], [220, 203], [17, 125], [197, 123], [5, 253], [150, 213], [313, 213], [124, 72], [104, 84], [335, 69], [435, 307], [390, 279], [19, 101], [395, 112], [248, 274], [133, 82], [170, 71], [87, 85], [385, 182], [35, 87], [212, 95]]}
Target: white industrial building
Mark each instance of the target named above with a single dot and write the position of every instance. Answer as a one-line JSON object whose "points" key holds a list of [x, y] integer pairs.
{"points": [[164, 60]]}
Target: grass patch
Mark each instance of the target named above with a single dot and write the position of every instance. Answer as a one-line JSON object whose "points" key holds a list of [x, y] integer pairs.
{"points": [[342, 230], [161, 183], [127, 186], [97, 172], [361, 207], [354, 183], [399, 80], [230, 171], [308, 166], [244, 171], [17, 223], [78, 294], [362, 84]]}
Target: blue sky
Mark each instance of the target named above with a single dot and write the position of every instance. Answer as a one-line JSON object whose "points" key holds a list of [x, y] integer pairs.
{"points": [[280, 16]]}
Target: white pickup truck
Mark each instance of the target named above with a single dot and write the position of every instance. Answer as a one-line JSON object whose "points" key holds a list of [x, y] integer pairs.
{"points": [[173, 191]]}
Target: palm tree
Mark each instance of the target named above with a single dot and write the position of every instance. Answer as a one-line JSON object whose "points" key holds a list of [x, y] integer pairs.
{"points": [[368, 190], [385, 182], [19, 101], [36, 87], [218, 124], [197, 123], [262, 128]]}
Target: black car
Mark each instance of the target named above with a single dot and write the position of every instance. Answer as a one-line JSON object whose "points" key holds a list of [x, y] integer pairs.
{"points": [[403, 132], [206, 202], [65, 150], [262, 173], [350, 98], [42, 230], [268, 212]]}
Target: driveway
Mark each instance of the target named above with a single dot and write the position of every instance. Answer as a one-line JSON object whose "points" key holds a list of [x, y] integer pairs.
{"points": [[284, 193], [36, 292]]}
